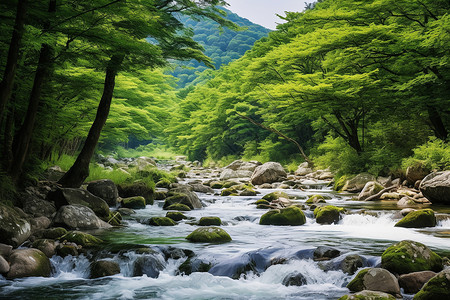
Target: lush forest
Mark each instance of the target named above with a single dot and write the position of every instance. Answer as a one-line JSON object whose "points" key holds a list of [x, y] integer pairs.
{"points": [[350, 85], [222, 45]]}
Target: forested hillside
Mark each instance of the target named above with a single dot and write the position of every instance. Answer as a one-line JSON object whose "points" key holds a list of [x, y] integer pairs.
{"points": [[357, 84], [221, 45]]}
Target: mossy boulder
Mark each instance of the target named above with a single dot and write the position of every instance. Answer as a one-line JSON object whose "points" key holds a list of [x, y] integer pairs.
{"points": [[328, 214], [136, 202], [418, 219], [210, 221], [409, 256], [216, 184], [178, 207], [175, 215], [315, 199], [248, 192], [437, 287], [290, 216], [229, 191], [375, 279], [163, 183], [28, 263], [14, 230], [340, 182], [47, 246], [81, 238], [102, 268], [161, 221], [368, 295], [184, 196], [127, 190], [275, 195], [209, 235], [54, 233]]}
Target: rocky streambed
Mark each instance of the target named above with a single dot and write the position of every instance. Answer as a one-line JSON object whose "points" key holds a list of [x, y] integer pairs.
{"points": [[260, 234]]}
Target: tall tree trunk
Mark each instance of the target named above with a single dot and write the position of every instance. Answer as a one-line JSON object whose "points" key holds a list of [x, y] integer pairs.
{"points": [[80, 169], [22, 139], [8, 140], [7, 83]]}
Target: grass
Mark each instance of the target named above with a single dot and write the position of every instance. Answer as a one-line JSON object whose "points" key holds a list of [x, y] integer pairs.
{"points": [[150, 150]]}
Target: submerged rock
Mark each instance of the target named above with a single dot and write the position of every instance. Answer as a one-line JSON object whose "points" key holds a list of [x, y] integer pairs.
{"points": [[326, 253], [148, 264], [14, 230], [161, 221], [28, 263], [436, 288], [375, 279], [175, 215], [408, 256], [296, 279], [209, 235], [328, 214], [291, 216], [436, 187], [102, 268], [418, 219]]}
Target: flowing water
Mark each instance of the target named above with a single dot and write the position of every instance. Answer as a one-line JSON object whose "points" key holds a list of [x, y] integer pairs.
{"points": [[365, 234]]}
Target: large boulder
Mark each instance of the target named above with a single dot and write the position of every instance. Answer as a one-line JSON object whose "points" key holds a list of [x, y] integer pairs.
{"points": [[136, 202], [184, 196], [102, 268], [408, 256], [357, 183], [436, 288], [201, 188], [105, 189], [37, 207], [136, 189], [290, 216], [268, 173], [375, 279], [371, 188], [71, 196], [210, 221], [150, 264], [303, 169], [78, 217], [418, 219], [209, 235], [416, 172], [412, 283], [436, 187], [28, 263], [81, 238], [230, 174], [14, 230], [328, 214], [144, 162]]}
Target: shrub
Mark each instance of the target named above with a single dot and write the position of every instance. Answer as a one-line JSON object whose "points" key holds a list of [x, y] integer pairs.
{"points": [[434, 154]]}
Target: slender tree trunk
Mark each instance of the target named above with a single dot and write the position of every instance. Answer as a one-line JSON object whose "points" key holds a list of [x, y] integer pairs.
{"points": [[80, 169], [22, 139], [437, 125], [7, 83], [8, 139]]}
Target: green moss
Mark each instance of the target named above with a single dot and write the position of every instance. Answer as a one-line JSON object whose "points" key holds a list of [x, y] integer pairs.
{"points": [[357, 284], [163, 183], [137, 202], [418, 219], [315, 199], [437, 287], [408, 256], [81, 238], [262, 201], [54, 233], [175, 215], [178, 206], [161, 221], [209, 235], [291, 216], [228, 192], [248, 192], [275, 195], [340, 182], [216, 184], [229, 184], [328, 214], [177, 198], [210, 221], [368, 295]]}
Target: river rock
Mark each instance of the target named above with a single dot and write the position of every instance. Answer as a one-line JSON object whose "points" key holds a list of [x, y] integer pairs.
{"points": [[4, 265], [230, 174], [209, 235], [268, 173], [71, 196], [136, 189], [178, 207], [328, 214], [303, 169], [53, 233], [290, 216], [375, 279], [275, 196], [14, 230], [357, 183], [105, 189], [294, 279], [67, 248], [5, 250], [39, 223], [37, 207], [413, 282], [161, 221], [351, 263], [81, 238], [368, 295], [436, 187], [136, 202], [201, 188], [418, 219], [148, 264], [175, 215], [144, 162], [371, 188], [408, 257], [315, 199], [436, 288], [210, 221], [102, 268], [325, 253], [416, 172], [48, 247], [243, 165], [28, 263], [78, 217], [183, 196]]}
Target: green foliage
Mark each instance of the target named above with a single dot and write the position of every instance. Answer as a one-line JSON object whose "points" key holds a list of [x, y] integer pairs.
{"points": [[149, 150], [434, 154]]}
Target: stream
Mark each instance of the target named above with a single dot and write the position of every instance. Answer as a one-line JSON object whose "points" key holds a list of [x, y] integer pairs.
{"points": [[365, 234]]}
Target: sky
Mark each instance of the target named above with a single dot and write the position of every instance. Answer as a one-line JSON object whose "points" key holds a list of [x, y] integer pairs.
{"points": [[263, 12]]}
